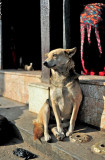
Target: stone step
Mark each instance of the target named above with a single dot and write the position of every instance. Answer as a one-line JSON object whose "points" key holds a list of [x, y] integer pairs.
{"points": [[92, 109], [67, 149], [20, 86]]}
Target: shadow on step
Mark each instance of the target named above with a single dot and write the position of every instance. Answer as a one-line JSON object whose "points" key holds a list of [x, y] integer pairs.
{"points": [[9, 133]]}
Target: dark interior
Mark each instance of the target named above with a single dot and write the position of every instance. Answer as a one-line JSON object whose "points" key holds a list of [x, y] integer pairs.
{"points": [[21, 31], [21, 34], [56, 24]]}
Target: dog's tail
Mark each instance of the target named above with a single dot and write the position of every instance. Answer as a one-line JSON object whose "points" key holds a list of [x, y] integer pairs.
{"points": [[38, 130]]}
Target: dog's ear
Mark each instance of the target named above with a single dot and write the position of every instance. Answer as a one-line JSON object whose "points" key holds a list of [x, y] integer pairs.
{"points": [[71, 52], [46, 54]]}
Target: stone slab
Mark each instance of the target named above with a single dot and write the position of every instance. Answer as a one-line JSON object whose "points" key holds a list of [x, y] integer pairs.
{"points": [[38, 94]]}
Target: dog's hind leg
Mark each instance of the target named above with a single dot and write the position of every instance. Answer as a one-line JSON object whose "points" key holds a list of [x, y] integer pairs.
{"points": [[41, 123], [46, 117]]}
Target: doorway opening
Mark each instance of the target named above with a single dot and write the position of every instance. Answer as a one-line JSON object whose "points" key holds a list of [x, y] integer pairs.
{"points": [[56, 24], [21, 38]]}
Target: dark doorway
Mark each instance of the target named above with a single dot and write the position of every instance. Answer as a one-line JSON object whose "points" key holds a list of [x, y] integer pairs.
{"points": [[56, 24], [75, 32], [21, 34]]}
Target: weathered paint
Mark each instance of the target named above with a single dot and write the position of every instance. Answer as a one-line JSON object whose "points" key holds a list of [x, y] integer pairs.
{"points": [[45, 36], [66, 23], [0, 44]]}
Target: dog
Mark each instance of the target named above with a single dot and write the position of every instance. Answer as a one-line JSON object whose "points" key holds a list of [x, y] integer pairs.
{"points": [[65, 96]]}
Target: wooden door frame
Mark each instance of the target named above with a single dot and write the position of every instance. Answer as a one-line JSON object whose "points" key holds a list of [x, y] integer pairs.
{"points": [[45, 32]]}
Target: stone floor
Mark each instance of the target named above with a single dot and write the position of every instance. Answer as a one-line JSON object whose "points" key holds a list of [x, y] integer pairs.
{"points": [[20, 116], [6, 151]]}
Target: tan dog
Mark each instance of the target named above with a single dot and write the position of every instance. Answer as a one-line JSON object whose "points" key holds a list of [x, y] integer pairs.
{"points": [[65, 95]]}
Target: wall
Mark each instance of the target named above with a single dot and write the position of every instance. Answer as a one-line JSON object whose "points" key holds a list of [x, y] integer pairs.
{"points": [[92, 110], [14, 84]]}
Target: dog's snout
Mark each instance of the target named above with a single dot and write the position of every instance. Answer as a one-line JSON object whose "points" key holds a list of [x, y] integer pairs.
{"points": [[45, 63]]}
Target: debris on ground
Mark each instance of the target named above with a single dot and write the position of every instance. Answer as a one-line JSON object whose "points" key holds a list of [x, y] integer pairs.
{"points": [[24, 153]]}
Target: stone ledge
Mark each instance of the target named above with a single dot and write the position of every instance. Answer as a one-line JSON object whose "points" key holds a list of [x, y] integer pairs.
{"points": [[40, 85], [22, 73], [93, 80]]}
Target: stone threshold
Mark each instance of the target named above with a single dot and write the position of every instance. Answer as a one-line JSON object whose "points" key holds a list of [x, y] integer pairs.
{"points": [[21, 72], [84, 79]]}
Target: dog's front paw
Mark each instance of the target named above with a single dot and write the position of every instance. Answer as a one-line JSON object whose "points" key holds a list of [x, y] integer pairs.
{"points": [[60, 130], [47, 137], [60, 137], [68, 133]]}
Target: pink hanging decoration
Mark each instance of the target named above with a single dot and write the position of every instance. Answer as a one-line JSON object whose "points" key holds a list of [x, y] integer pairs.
{"points": [[88, 33], [90, 18], [82, 27], [82, 43], [98, 40]]}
